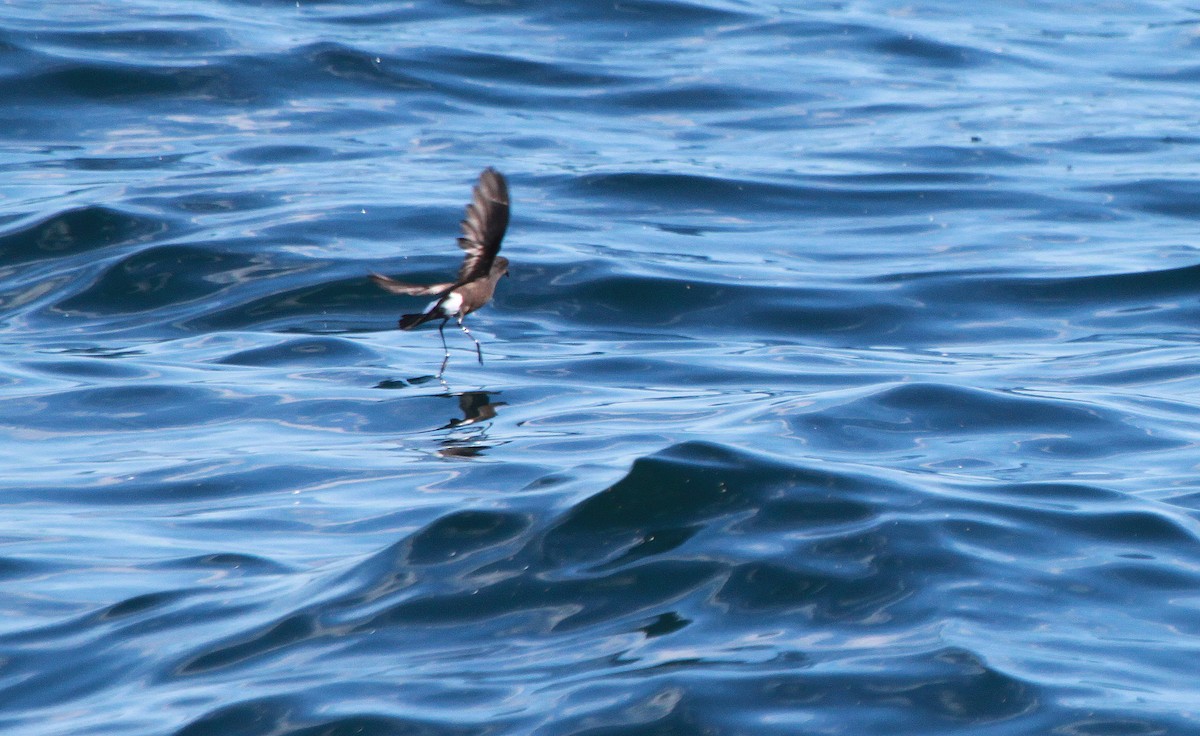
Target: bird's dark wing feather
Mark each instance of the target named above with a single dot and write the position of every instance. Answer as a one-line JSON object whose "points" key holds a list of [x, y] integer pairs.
{"points": [[484, 226], [399, 287]]}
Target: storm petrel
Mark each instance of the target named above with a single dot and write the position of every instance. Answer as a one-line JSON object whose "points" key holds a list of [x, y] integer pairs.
{"points": [[483, 229]]}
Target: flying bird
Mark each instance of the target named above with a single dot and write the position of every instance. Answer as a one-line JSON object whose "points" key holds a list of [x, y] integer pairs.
{"points": [[482, 230]]}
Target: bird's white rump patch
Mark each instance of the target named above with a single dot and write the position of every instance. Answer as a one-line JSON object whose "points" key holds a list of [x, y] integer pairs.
{"points": [[449, 306]]}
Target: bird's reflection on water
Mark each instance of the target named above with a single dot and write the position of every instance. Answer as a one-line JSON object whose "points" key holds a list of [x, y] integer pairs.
{"points": [[471, 438], [465, 436]]}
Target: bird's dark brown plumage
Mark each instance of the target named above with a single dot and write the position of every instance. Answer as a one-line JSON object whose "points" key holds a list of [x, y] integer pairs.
{"points": [[484, 226], [482, 232]]}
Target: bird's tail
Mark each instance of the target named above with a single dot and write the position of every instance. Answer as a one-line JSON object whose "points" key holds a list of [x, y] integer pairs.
{"points": [[409, 321]]}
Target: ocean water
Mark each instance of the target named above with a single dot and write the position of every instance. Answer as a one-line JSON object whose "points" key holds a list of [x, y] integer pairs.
{"points": [[846, 381]]}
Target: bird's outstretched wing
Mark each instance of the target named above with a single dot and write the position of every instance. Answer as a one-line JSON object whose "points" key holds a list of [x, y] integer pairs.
{"points": [[399, 287], [484, 226]]}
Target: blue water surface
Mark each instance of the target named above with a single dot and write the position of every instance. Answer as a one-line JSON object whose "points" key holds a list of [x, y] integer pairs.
{"points": [[846, 380]]}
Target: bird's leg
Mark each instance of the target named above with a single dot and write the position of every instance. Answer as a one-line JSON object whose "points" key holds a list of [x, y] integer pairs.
{"points": [[445, 350], [478, 347]]}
